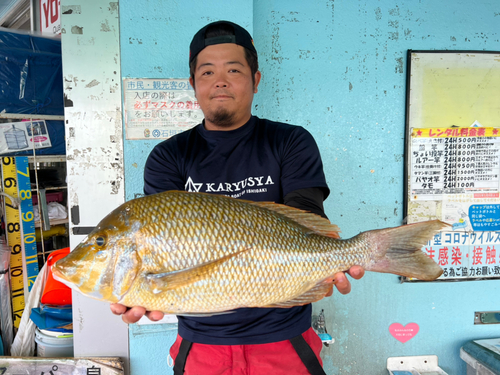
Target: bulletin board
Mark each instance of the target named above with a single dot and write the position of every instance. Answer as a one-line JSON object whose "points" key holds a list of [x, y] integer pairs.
{"points": [[452, 158]]}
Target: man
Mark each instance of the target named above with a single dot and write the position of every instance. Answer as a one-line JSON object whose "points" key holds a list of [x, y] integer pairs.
{"points": [[240, 155]]}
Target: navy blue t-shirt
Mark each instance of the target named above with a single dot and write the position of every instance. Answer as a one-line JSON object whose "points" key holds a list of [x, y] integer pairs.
{"points": [[260, 161]]}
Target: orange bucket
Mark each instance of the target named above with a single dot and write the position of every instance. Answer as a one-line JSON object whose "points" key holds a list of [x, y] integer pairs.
{"points": [[55, 292]]}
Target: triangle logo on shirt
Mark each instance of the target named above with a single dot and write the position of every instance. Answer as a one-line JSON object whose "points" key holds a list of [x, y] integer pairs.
{"points": [[192, 187]]}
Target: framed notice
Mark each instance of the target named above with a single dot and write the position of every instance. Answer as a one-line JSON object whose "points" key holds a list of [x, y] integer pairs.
{"points": [[159, 108], [447, 161], [452, 157]]}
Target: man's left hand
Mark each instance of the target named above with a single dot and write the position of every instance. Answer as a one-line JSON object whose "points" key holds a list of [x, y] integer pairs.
{"points": [[341, 281]]}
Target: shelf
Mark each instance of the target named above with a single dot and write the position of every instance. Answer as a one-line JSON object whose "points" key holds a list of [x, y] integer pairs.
{"points": [[53, 188], [22, 116], [47, 158], [53, 222]]}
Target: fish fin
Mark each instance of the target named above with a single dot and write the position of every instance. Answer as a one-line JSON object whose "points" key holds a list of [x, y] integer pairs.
{"points": [[126, 271], [204, 315], [314, 294], [313, 222], [398, 250], [161, 282]]}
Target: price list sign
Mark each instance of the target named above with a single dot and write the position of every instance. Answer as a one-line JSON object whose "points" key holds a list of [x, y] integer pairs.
{"points": [[454, 161]]}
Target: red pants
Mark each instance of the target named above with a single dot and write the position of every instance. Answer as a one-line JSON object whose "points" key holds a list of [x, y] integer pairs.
{"points": [[278, 358]]}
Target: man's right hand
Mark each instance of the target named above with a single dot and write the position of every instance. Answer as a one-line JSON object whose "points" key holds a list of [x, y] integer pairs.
{"points": [[134, 314]]}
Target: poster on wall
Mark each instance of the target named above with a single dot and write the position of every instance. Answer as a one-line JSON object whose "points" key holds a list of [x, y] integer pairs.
{"points": [[159, 108], [452, 157], [454, 161], [466, 254], [22, 136]]}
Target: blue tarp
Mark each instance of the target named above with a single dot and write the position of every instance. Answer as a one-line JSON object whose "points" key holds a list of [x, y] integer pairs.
{"points": [[31, 78], [54, 318]]}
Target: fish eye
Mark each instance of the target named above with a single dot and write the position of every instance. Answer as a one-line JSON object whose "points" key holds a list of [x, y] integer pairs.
{"points": [[100, 241]]}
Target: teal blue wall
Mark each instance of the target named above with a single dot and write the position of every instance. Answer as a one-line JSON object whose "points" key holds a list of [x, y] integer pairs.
{"points": [[155, 37], [338, 68]]}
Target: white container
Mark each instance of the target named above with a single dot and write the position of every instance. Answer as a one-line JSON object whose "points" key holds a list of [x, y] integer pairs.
{"points": [[50, 345], [414, 365]]}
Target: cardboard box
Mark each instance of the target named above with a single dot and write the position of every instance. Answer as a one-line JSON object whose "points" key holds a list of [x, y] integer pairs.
{"points": [[61, 366]]}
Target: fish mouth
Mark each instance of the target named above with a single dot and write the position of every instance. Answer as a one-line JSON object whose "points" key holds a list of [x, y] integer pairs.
{"points": [[59, 275], [60, 271], [66, 271]]}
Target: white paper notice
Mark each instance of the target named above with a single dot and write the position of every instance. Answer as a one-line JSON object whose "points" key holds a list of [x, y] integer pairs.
{"points": [[454, 161], [159, 108]]}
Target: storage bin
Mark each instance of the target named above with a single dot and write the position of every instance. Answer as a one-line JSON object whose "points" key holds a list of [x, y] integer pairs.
{"points": [[50, 197], [55, 292], [482, 357], [53, 344]]}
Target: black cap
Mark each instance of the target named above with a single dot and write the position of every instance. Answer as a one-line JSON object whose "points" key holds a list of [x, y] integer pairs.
{"points": [[240, 37]]}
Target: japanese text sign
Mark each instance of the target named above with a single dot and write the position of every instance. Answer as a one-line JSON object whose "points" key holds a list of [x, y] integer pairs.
{"points": [[159, 108], [454, 161], [466, 255], [485, 217]]}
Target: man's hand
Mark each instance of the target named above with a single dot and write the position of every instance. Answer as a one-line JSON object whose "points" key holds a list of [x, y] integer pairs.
{"points": [[134, 314], [341, 281]]}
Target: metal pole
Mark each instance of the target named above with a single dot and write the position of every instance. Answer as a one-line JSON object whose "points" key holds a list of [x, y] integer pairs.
{"points": [[30, 116]]}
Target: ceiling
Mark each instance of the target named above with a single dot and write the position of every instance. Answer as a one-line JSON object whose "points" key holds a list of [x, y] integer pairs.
{"points": [[15, 14], [5, 6]]}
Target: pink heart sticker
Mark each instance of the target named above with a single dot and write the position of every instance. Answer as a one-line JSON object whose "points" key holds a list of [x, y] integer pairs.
{"points": [[403, 333]]}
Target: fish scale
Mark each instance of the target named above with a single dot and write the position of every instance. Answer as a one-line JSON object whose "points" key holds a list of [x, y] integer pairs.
{"points": [[256, 281], [196, 253]]}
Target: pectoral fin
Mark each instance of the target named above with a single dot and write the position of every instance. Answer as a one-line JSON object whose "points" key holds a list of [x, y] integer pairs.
{"points": [[126, 270], [162, 282]]}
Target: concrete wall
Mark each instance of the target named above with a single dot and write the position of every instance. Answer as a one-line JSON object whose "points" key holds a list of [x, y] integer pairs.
{"points": [[94, 145], [338, 68], [155, 37]]}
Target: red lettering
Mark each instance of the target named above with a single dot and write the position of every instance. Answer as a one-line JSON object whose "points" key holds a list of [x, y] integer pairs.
{"points": [[46, 13], [54, 10], [456, 256], [478, 255], [443, 256]]}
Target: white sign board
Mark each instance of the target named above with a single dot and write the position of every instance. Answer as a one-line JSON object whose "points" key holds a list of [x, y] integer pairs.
{"points": [[466, 255], [454, 161], [159, 108], [22, 136], [50, 17]]}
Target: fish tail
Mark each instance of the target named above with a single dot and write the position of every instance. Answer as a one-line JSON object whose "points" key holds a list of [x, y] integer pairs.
{"points": [[398, 250]]}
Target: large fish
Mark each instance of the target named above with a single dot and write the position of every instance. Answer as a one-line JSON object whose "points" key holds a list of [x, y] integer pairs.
{"points": [[195, 253]]}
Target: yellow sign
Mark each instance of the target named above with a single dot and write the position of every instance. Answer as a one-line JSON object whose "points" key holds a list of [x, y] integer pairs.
{"points": [[454, 132]]}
